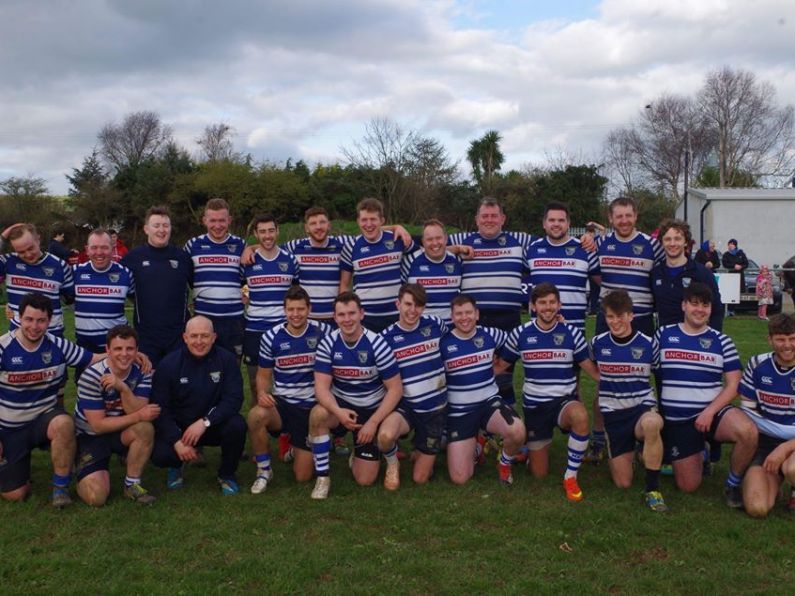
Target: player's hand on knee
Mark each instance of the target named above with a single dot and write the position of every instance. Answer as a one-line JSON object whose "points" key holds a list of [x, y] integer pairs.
{"points": [[774, 460], [348, 419], [366, 433], [265, 400], [148, 413]]}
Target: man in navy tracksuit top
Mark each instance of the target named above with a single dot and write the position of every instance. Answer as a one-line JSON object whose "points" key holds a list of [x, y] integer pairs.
{"points": [[163, 274], [199, 389]]}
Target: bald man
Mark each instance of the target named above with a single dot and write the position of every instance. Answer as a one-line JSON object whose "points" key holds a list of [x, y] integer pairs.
{"points": [[200, 390]]}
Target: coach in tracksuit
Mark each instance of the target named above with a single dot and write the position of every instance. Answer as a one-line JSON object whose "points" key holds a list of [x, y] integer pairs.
{"points": [[163, 275], [199, 389]]}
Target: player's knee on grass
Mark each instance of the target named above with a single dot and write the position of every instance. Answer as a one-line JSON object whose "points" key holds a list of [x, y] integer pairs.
{"points": [[365, 473], [788, 469], [18, 494], [756, 501], [94, 489], [578, 418]]}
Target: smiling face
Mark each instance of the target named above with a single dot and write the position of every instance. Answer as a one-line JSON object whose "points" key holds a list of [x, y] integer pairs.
{"points": [[465, 317], [489, 221], [697, 313], [348, 317], [122, 352], [27, 248], [99, 250], [674, 244], [619, 323], [33, 324], [199, 336], [623, 219], [547, 309], [267, 233], [556, 224], [409, 310], [784, 348], [158, 230], [434, 241], [217, 223], [370, 223], [297, 313], [317, 228]]}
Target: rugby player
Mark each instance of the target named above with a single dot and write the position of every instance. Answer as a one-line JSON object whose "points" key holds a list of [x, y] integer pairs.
{"points": [[101, 289], [217, 275], [113, 415], [626, 399], [32, 367], [163, 275], [357, 385], [474, 404], [768, 395], [285, 388], [700, 372], [414, 339], [200, 391], [551, 352]]}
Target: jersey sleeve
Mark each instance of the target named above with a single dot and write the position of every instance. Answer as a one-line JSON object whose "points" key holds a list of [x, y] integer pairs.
{"points": [[74, 355], [384, 358], [731, 359], [323, 356], [747, 389], [346, 257], [510, 349], [89, 391], [265, 359], [498, 335], [581, 351], [68, 285], [657, 249]]}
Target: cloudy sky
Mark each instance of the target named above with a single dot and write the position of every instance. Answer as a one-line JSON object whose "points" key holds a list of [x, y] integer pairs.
{"points": [[300, 78]]}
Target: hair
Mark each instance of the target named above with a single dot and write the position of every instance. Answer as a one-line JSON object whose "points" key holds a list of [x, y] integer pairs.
{"points": [[58, 229], [216, 204], [781, 324], [544, 289], [100, 232], [346, 297], [556, 206], [371, 205], [697, 292], [312, 211], [618, 302], [18, 231], [37, 301], [733, 241], [122, 332], [675, 224], [297, 293], [623, 202], [156, 210], [416, 291], [433, 222], [490, 202], [264, 218], [463, 299], [112, 231]]}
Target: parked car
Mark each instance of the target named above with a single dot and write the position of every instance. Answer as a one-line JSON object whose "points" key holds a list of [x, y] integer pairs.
{"points": [[748, 298]]}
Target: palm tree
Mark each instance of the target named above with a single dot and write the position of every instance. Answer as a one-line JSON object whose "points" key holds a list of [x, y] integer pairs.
{"points": [[486, 158]]}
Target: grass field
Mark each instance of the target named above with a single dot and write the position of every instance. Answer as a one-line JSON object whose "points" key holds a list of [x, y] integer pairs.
{"points": [[423, 539]]}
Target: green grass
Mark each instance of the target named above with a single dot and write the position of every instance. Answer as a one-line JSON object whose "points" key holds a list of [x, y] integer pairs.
{"points": [[423, 539]]}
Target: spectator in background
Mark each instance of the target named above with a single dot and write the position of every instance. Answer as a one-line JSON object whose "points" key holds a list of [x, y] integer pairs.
{"points": [[764, 291], [119, 248], [735, 261], [57, 246], [708, 256]]}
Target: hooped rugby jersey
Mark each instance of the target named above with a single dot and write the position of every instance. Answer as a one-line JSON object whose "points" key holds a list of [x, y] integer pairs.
{"points": [[292, 358], [29, 380], [624, 370], [441, 280], [627, 265], [494, 276], [691, 368], [99, 300], [268, 281], [92, 396], [358, 371], [320, 271], [567, 266], [376, 271], [768, 393], [49, 276], [217, 275], [420, 362], [469, 368], [549, 360]]}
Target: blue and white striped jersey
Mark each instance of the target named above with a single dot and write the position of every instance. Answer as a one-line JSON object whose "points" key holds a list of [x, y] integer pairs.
{"points": [[99, 301], [292, 359], [358, 372], [420, 362], [768, 392], [49, 276], [29, 380], [691, 368], [217, 275], [549, 360], [92, 396], [494, 276], [627, 265], [567, 266], [376, 271], [624, 370], [268, 281], [441, 280], [469, 368], [320, 271]]}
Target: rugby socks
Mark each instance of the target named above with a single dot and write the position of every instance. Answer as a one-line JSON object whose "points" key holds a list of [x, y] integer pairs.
{"points": [[598, 438], [130, 480], [391, 455], [505, 459], [263, 461], [577, 446], [652, 480], [732, 480], [321, 447], [59, 481]]}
